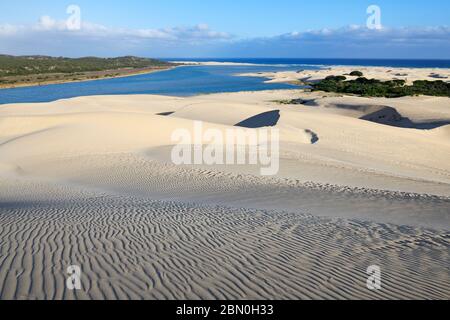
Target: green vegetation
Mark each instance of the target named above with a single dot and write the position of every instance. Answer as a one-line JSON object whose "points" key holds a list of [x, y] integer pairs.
{"points": [[32, 65], [37, 70], [389, 89], [292, 101], [356, 74], [336, 78]]}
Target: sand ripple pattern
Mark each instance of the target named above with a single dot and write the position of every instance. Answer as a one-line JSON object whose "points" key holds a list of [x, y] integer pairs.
{"points": [[129, 248], [136, 176]]}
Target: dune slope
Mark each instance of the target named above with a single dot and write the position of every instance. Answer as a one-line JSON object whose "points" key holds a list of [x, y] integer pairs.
{"points": [[89, 182]]}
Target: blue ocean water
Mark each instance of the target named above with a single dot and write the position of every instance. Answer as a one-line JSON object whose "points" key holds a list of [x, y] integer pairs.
{"points": [[397, 63], [194, 80]]}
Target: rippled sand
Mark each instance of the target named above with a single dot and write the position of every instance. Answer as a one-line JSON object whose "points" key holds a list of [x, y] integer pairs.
{"points": [[89, 182]]}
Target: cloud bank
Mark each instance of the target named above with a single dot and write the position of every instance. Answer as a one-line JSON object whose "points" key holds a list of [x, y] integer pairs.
{"points": [[54, 37], [351, 42]]}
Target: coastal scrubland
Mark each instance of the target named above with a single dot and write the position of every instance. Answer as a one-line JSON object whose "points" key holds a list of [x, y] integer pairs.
{"points": [[38, 70]]}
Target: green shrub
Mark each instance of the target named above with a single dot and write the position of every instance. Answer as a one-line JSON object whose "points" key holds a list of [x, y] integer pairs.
{"points": [[356, 74], [390, 89], [336, 78]]}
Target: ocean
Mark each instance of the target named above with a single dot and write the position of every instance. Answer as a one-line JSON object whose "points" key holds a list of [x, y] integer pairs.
{"points": [[397, 63], [195, 80]]}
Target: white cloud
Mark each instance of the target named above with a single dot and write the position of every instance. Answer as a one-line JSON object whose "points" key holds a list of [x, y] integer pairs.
{"points": [[88, 29], [349, 42], [8, 30], [46, 23], [53, 37], [355, 34]]}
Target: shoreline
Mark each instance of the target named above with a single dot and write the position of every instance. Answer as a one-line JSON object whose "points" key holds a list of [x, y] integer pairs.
{"points": [[46, 83], [318, 66], [301, 77]]}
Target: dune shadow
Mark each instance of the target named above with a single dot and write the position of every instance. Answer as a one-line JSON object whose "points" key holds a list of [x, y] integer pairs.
{"points": [[266, 119], [165, 113], [391, 117], [430, 125], [314, 136], [362, 107]]}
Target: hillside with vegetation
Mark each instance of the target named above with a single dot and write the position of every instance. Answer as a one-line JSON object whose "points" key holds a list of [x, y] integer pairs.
{"points": [[31, 70]]}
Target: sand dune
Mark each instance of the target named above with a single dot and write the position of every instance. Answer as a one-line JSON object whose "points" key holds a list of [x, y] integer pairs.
{"points": [[89, 181], [442, 132], [345, 142], [132, 249], [381, 73]]}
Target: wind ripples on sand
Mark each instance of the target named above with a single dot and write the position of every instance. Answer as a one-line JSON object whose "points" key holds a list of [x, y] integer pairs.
{"points": [[135, 249]]}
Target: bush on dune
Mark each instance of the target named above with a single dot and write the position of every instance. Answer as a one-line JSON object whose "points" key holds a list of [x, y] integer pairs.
{"points": [[336, 78], [389, 89], [356, 74]]}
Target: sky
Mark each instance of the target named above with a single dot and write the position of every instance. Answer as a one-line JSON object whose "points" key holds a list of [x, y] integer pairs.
{"points": [[227, 28]]}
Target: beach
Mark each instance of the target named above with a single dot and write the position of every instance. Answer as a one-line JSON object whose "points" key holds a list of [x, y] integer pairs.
{"points": [[89, 181]]}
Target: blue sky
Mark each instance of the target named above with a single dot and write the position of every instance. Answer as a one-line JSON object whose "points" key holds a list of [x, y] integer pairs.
{"points": [[224, 28]]}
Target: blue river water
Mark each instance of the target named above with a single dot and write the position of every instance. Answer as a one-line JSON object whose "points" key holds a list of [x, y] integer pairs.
{"points": [[182, 81], [195, 80]]}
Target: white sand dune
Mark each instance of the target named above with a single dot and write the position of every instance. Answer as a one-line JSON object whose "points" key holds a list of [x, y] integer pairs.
{"points": [[89, 182], [213, 63], [133, 249], [442, 132], [381, 73]]}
